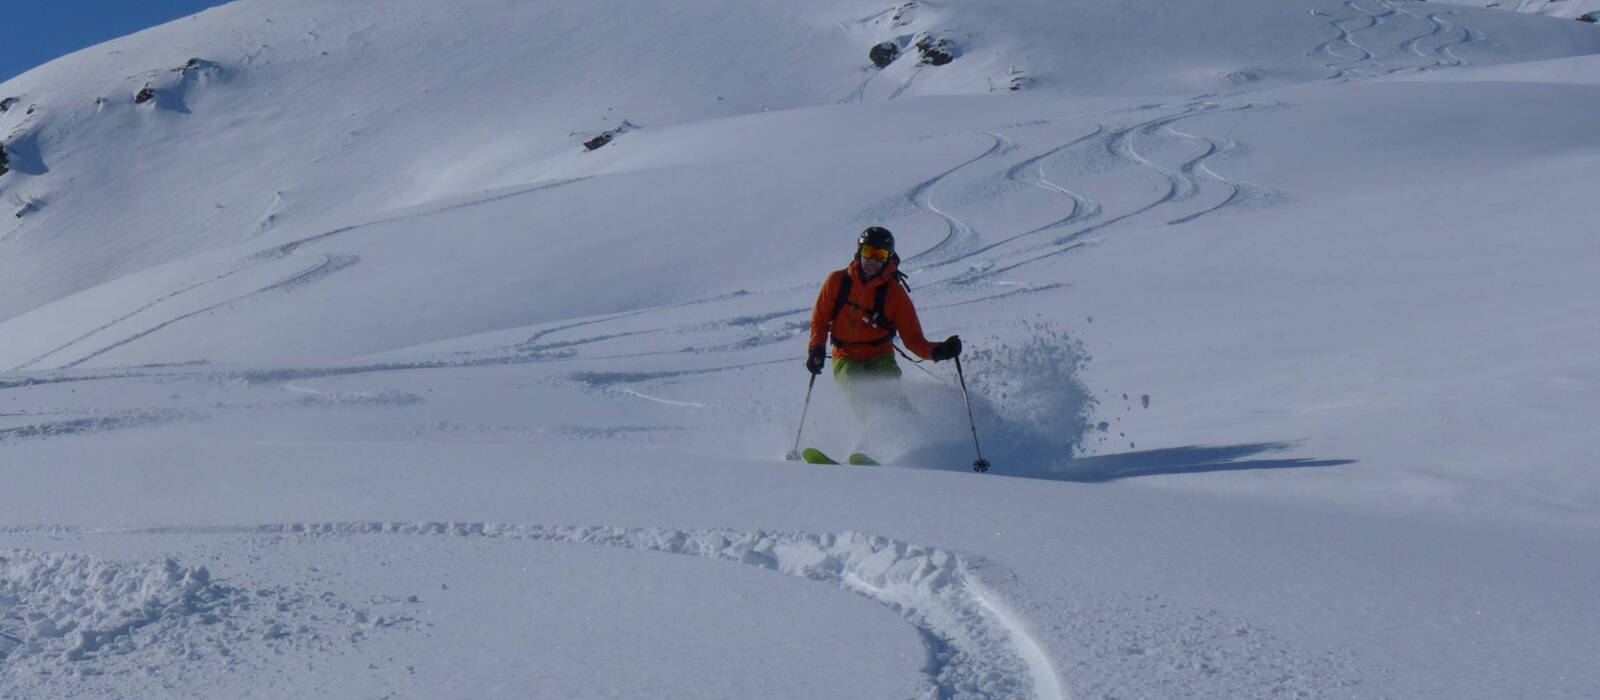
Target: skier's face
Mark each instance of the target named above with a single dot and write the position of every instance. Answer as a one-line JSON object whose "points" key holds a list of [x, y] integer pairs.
{"points": [[871, 266], [873, 260]]}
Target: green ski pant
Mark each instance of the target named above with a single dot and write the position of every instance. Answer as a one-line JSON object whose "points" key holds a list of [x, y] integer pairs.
{"points": [[847, 371], [871, 385]]}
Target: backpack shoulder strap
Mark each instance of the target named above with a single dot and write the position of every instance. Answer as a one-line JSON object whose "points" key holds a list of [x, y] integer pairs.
{"points": [[843, 296], [878, 301]]}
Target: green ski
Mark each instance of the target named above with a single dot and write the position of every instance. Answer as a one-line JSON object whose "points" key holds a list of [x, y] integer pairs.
{"points": [[813, 455]]}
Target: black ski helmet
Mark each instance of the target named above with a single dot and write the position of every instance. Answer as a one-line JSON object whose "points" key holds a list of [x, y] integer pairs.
{"points": [[877, 237]]}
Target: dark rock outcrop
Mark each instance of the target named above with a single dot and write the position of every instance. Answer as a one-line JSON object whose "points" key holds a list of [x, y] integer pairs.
{"points": [[5, 162], [606, 136], [935, 52], [903, 12], [5, 104], [1591, 18], [145, 94], [194, 65], [884, 54], [1017, 80]]}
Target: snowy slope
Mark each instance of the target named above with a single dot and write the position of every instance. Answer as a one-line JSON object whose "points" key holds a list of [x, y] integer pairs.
{"points": [[1565, 9], [340, 367]]}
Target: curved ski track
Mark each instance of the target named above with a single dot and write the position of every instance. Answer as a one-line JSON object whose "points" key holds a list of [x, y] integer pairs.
{"points": [[1186, 181], [958, 234], [1084, 207], [1442, 56], [1345, 66], [1367, 63], [977, 648]]}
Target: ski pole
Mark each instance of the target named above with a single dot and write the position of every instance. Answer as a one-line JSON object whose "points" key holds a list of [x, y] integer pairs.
{"points": [[794, 454], [980, 464]]}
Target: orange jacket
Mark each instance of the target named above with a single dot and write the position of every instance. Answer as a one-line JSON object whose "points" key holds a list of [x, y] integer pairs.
{"points": [[852, 332]]}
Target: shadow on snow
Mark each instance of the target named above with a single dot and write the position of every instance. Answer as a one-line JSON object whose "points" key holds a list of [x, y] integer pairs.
{"points": [[1035, 463], [1176, 460]]}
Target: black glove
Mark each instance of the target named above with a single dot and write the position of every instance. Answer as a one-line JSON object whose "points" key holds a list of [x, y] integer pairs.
{"points": [[815, 360], [947, 350]]}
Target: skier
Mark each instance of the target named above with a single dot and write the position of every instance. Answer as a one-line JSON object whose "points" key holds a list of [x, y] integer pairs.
{"points": [[863, 307]]}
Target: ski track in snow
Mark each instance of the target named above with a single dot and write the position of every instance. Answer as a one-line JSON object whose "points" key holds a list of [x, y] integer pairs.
{"points": [[978, 647], [1199, 171], [1442, 55], [907, 84], [1443, 36], [1084, 208], [1414, 44], [95, 424], [1188, 180], [958, 234], [1345, 66], [122, 318], [859, 94], [320, 269], [1347, 36], [325, 265]]}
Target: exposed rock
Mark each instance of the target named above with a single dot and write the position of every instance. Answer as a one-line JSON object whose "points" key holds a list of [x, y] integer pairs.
{"points": [[1591, 18], [5, 163], [884, 54], [1017, 80], [605, 137], [144, 95], [195, 65], [26, 207], [902, 13], [935, 52], [5, 104]]}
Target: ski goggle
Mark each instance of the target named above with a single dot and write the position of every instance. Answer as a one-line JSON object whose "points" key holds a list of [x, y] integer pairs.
{"points": [[883, 254]]}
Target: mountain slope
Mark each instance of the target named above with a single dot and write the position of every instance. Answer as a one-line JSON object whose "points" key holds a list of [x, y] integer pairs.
{"points": [[280, 131], [342, 367]]}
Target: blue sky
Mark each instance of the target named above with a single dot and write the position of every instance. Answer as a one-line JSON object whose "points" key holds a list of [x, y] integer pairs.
{"points": [[37, 31]]}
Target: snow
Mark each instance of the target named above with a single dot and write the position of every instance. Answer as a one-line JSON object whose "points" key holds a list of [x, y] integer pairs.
{"points": [[1565, 9], [341, 368]]}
